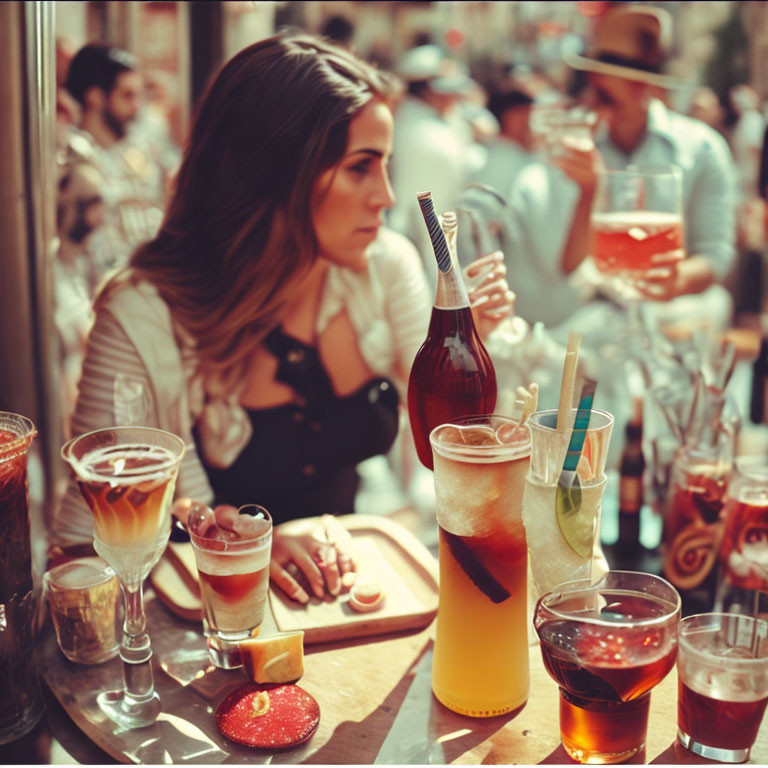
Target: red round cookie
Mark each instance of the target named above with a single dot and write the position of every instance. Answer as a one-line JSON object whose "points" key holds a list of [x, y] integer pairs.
{"points": [[292, 717]]}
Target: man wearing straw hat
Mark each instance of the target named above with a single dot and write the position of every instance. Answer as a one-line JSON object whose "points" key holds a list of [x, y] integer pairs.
{"points": [[625, 67]]}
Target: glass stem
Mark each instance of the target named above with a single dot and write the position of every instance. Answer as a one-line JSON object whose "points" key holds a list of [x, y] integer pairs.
{"points": [[136, 649]]}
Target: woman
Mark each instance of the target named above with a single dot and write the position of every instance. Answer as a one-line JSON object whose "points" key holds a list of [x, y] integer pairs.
{"points": [[272, 321]]}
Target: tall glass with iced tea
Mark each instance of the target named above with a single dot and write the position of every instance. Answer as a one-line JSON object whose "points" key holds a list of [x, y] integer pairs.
{"points": [[480, 665]]}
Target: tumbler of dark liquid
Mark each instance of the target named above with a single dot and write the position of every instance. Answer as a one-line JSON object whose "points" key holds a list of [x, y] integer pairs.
{"points": [[20, 699]]}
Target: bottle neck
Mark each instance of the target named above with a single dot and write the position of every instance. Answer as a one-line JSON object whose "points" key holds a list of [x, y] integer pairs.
{"points": [[451, 293]]}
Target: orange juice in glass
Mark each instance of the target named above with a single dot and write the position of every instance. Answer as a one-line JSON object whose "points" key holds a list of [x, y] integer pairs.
{"points": [[480, 665]]}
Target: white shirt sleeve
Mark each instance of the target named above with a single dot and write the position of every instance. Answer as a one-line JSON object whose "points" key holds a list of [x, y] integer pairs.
{"points": [[711, 217]]}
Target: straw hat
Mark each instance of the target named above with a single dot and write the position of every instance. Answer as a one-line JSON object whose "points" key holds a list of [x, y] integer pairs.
{"points": [[633, 42]]}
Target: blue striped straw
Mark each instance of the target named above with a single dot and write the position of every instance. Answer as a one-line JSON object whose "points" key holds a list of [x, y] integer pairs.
{"points": [[436, 234], [580, 426]]}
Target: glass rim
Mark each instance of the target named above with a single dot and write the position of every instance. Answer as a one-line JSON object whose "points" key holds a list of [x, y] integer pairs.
{"points": [[585, 585], [533, 422], [652, 170], [107, 573], [518, 449], [752, 465], [234, 547], [66, 449], [717, 616], [15, 447]]}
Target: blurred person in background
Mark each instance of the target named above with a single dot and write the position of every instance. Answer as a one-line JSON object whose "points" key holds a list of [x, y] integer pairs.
{"points": [[272, 321], [705, 106], [106, 84], [625, 79], [746, 137], [513, 148], [434, 149]]}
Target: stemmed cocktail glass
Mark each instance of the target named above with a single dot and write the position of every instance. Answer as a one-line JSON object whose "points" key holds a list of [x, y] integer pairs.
{"points": [[127, 476]]}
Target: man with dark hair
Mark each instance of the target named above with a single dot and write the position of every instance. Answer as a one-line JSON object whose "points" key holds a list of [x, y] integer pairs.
{"points": [[512, 149], [107, 85]]}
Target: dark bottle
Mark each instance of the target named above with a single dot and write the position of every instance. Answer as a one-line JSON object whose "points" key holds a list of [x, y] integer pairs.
{"points": [[631, 469], [758, 408], [452, 374]]}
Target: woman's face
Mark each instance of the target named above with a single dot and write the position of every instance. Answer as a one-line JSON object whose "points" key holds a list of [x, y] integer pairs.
{"points": [[348, 199]]}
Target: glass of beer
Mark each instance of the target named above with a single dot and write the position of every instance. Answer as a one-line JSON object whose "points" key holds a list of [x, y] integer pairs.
{"points": [[480, 665], [607, 645], [637, 220], [722, 669], [232, 550], [127, 476]]}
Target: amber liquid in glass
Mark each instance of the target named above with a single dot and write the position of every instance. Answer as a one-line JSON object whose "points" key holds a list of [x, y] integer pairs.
{"points": [[605, 676], [717, 723], [452, 376]]}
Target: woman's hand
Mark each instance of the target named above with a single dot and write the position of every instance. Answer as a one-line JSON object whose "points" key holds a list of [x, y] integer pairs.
{"points": [[319, 557], [489, 294]]}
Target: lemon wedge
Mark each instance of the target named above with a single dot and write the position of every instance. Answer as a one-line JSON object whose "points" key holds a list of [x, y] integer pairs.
{"points": [[275, 659]]}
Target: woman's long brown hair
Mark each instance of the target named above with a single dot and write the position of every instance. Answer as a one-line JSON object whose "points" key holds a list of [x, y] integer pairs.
{"points": [[238, 228]]}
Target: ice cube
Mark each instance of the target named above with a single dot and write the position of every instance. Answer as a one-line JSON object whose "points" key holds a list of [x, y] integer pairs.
{"points": [[248, 527], [226, 518], [478, 436], [637, 233], [202, 522]]}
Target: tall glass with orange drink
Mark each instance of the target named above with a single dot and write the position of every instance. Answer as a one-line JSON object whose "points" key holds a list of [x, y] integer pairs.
{"points": [[480, 665]]}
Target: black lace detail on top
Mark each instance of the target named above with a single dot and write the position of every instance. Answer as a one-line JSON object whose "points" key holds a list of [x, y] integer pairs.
{"points": [[301, 459]]}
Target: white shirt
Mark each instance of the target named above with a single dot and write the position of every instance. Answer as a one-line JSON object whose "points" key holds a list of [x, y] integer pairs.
{"points": [[503, 162], [709, 192], [429, 154]]}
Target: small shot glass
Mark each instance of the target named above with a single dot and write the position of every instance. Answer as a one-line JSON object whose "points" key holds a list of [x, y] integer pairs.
{"points": [[83, 598]]}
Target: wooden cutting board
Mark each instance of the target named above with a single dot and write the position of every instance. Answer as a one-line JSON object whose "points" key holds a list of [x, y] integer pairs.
{"points": [[401, 562]]}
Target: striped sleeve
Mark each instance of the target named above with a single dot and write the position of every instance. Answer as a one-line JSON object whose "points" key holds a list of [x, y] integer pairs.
{"points": [[115, 389]]}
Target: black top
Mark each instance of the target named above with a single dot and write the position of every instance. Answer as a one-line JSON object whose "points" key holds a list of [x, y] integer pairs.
{"points": [[301, 459]]}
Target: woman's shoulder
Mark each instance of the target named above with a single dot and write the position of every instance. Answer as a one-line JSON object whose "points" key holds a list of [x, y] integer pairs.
{"points": [[136, 305]]}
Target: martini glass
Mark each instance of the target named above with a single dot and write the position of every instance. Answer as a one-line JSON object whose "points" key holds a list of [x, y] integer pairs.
{"points": [[127, 476]]}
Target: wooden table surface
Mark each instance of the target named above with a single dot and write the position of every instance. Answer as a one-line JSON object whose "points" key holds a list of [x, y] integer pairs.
{"points": [[375, 700]]}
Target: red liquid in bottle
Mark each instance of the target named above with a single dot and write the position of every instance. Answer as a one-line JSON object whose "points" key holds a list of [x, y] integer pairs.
{"points": [[452, 376]]}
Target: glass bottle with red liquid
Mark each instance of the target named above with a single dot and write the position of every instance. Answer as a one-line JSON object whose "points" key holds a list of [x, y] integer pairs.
{"points": [[20, 699], [452, 374]]}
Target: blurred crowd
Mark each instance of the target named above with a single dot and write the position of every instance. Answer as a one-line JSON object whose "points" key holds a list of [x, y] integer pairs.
{"points": [[518, 156]]}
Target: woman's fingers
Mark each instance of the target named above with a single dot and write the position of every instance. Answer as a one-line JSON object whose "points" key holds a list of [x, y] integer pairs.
{"points": [[308, 566], [287, 583], [326, 560]]}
